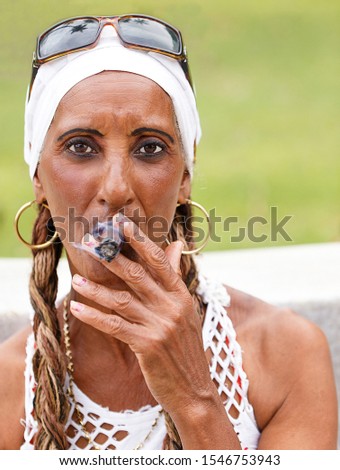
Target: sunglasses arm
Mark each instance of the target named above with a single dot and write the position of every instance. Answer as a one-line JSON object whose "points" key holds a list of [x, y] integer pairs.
{"points": [[35, 68]]}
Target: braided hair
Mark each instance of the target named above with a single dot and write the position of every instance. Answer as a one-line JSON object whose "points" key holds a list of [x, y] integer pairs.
{"points": [[181, 229], [51, 405]]}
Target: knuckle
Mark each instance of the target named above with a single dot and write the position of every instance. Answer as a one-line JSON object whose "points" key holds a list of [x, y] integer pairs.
{"points": [[136, 273], [182, 311], [114, 325], [96, 290], [159, 260], [178, 318], [123, 299], [175, 283], [169, 333], [157, 342], [157, 254]]}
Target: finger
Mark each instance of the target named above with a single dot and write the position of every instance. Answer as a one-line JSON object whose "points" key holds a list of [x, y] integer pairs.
{"points": [[133, 274], [122, 302], [113, 325], [154, 257], [174, 254]]}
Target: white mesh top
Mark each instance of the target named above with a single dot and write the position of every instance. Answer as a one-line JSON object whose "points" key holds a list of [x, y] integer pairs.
{"points": [[128, 429]]}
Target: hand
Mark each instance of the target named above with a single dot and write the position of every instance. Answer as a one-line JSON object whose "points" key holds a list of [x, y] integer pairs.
{"points": [[156, 317]]}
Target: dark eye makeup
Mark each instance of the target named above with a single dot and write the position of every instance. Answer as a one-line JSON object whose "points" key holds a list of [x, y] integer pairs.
{"points": [[146, 147], [150, 148], [81, 146]]}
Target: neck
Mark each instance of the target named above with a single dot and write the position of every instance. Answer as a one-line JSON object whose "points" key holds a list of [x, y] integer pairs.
{"points": [[104, 366], [93, 347]]}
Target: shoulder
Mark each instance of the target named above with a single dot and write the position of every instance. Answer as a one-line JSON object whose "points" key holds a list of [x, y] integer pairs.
{"points": [[273, 327], [12, 389], [288, 363]]}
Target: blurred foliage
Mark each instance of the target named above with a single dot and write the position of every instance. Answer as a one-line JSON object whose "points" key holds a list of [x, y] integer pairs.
{"points": [[267, 80]]}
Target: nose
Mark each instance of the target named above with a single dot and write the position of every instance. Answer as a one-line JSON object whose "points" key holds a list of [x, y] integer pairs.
{"points": [[116, 185]]}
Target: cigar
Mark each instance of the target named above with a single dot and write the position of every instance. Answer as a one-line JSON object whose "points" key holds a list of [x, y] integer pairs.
{"points": [[106, 239]]}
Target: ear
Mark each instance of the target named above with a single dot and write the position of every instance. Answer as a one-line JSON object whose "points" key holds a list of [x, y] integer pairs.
{"points": [[38, 189], [185, 188]]}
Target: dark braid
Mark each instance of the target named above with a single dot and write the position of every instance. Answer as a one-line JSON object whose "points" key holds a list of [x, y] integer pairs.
{"points": [[51, 407], [182, 229]]}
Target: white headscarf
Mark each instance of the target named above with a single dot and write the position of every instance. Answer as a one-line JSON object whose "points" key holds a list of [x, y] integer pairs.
{"points": [[55, 78]]}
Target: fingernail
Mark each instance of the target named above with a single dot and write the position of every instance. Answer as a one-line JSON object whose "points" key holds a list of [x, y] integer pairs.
{"points": [[78, 280], [76, 306]]}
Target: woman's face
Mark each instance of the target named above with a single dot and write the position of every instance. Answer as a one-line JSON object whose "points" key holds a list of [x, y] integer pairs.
{"points": [[113, 146]]}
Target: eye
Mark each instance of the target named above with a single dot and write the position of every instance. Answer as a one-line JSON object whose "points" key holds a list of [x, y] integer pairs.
{"points": [[151, 148], [80, 147]]}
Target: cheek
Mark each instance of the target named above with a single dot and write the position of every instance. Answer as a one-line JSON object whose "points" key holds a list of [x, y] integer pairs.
{"points": [[65, 186], [164, 183], [159, 200], [67, 194]]}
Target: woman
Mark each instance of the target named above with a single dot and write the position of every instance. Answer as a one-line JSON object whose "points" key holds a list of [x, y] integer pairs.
{"points": [[142, 354]]}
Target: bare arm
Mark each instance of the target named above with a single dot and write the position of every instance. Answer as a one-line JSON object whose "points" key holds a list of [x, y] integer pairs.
{"points": [[307, 416]]}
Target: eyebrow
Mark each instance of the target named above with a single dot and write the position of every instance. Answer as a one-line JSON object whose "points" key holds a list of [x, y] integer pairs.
{"points": [[80, 129], [140, 130]]}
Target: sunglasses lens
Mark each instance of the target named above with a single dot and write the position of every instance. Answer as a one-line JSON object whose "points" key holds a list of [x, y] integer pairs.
{"points": [[68, 36], [150, 33]]}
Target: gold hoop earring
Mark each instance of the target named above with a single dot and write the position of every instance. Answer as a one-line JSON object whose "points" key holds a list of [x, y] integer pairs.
{"points": [[206, 238], [16, 226]]}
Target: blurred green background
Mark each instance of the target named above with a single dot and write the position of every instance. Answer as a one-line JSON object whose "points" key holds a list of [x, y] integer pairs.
{"points": [[267, 79]]}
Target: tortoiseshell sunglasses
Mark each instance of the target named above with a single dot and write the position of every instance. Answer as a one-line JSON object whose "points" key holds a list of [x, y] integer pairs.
{"points": [[134, 31]]}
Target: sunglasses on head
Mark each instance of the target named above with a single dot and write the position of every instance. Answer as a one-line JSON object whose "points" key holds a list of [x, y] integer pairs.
{"points": [[134, 31]]}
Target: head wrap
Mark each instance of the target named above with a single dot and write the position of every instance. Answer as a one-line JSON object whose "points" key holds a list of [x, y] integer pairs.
{"points": [[55, 78]]}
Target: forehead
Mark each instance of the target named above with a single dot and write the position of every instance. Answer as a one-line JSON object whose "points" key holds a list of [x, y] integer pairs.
{"points": [[118, 94]]}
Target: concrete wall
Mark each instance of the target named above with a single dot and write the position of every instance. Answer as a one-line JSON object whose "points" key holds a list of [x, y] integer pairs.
{"points": [[304, 277]]}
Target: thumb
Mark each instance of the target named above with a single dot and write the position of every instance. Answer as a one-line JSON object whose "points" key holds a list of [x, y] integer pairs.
{"points": [[173, 253]]}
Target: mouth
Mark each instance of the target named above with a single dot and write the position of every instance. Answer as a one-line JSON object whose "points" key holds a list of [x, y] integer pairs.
{"points": [[106, 239]]}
